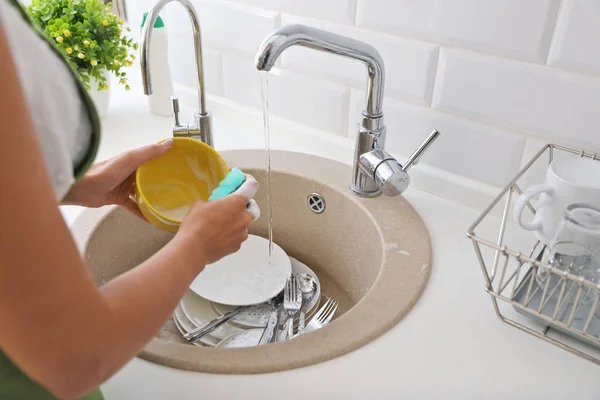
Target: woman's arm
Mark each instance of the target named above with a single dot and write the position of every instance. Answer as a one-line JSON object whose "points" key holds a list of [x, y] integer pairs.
{"points": [[46, 294]]}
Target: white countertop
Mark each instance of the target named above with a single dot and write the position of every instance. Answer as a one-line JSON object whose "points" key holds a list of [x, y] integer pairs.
{"points": [[451, 345]]}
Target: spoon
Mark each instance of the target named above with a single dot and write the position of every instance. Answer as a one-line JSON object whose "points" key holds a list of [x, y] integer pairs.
{"points": [[308, 287]]}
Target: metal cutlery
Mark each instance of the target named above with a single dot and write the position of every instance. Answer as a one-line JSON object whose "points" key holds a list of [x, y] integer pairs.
{"points": [[271, 329], [197, 334], [292, 302], [298, 293], [322, 317], [308, 287]]}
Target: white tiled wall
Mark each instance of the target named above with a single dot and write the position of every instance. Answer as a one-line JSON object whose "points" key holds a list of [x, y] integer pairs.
{"points": [[577, 33], [546, 102], [291, 95], [513, 28], [497, 77]]}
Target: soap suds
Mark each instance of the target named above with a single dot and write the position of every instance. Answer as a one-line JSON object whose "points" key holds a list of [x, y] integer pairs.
{"points": [[196, 168], [403, 252]]}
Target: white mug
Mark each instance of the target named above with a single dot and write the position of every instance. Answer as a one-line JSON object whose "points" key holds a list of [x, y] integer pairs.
{"points": [[568, 180]]}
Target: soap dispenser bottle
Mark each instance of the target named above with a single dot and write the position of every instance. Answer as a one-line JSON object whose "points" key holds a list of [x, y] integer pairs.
{"points": [[162, 85]]}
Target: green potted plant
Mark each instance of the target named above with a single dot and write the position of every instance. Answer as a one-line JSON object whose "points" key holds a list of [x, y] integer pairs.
{"points": [[92, 40]]}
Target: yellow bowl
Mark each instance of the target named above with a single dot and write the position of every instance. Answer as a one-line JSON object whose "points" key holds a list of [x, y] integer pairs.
{"points": [[167, 186]]}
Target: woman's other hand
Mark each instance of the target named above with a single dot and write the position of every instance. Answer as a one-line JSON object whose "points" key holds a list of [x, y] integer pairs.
{"points": [[216, 229], [113, 181]]}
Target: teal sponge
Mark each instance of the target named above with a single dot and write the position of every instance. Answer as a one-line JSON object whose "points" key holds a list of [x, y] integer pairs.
{"points": [[234, 179]]}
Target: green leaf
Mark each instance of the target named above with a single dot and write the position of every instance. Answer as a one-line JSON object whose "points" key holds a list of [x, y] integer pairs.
{"points": [[84, 19]]}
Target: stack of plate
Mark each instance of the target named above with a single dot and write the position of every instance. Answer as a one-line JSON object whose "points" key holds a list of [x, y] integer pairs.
{"points": [[243, 278]]}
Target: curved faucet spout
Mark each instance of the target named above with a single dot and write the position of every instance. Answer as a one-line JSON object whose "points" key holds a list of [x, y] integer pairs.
{"points": [[374, 170], [317, 39], [145, 48]]}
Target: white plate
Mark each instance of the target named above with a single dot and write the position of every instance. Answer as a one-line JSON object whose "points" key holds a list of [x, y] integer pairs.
{"points": [[199, 311], [247, 338], [184, 325], [245, 277], [259, 315]]}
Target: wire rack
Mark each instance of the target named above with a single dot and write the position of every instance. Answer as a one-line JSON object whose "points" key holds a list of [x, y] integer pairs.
{"points": [[526, 292]]}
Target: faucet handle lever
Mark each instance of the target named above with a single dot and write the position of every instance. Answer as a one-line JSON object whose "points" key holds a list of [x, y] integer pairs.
{"points": [[175, 101], [389, 175], [414, 158]]}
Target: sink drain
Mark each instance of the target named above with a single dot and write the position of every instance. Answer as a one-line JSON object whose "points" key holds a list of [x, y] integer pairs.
{"points": [[316, 203]]}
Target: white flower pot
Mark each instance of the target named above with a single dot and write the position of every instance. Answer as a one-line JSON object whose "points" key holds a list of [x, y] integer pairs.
{"points": [[101, 98]]}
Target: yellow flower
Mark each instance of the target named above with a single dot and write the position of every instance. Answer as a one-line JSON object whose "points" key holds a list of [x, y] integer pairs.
{"points": [[76, 48], [81, 56], [69, 50], [132, 57], [116, 62], [105, 22], [86, 43], [122, 81], [121, 22], [105, 87], [93, 63], [60, 39], [67, 33], [127, 87]]}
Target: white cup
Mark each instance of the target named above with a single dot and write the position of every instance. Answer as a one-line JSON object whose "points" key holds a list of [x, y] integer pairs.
{"points": [[568, 181]]}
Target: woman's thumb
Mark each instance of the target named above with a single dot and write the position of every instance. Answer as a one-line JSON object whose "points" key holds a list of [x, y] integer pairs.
{"points": [[138, 157]]}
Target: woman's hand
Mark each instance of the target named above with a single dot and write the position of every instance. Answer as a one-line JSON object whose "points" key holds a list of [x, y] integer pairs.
{"points": [[113, 181], [216, 229]]}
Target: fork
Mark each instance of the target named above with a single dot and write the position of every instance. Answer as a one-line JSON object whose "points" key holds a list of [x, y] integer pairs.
{"points": [[322, 317], [292, 302]]}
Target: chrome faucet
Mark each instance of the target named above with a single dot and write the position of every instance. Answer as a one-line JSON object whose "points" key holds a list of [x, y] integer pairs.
{"points": [[201, 128], [374, 170]]}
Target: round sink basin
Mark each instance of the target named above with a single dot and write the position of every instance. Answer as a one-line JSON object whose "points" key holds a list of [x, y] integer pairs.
{"points": [[372, 255]]}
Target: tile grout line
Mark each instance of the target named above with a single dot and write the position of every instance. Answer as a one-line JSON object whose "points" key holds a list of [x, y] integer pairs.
{"points": [[417, 39], [434, 88], [553, 39], [477, 53], [435, 77], [293, 124], [522, 155], [401, 101], [524, 134], [421, 41]]}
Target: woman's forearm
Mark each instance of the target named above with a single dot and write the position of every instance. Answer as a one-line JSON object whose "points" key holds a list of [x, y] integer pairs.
{"points": [[141, 300], [118, 320]]}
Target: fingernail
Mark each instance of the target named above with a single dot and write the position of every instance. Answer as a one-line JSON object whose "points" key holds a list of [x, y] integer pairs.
{"points": [[168, 143]]}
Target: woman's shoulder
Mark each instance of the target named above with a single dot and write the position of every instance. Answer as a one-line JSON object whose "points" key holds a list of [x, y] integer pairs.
{"points": [[61, 122]]}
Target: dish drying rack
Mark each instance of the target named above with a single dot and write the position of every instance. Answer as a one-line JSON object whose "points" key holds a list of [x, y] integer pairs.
{"points": [[564, 314]]}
